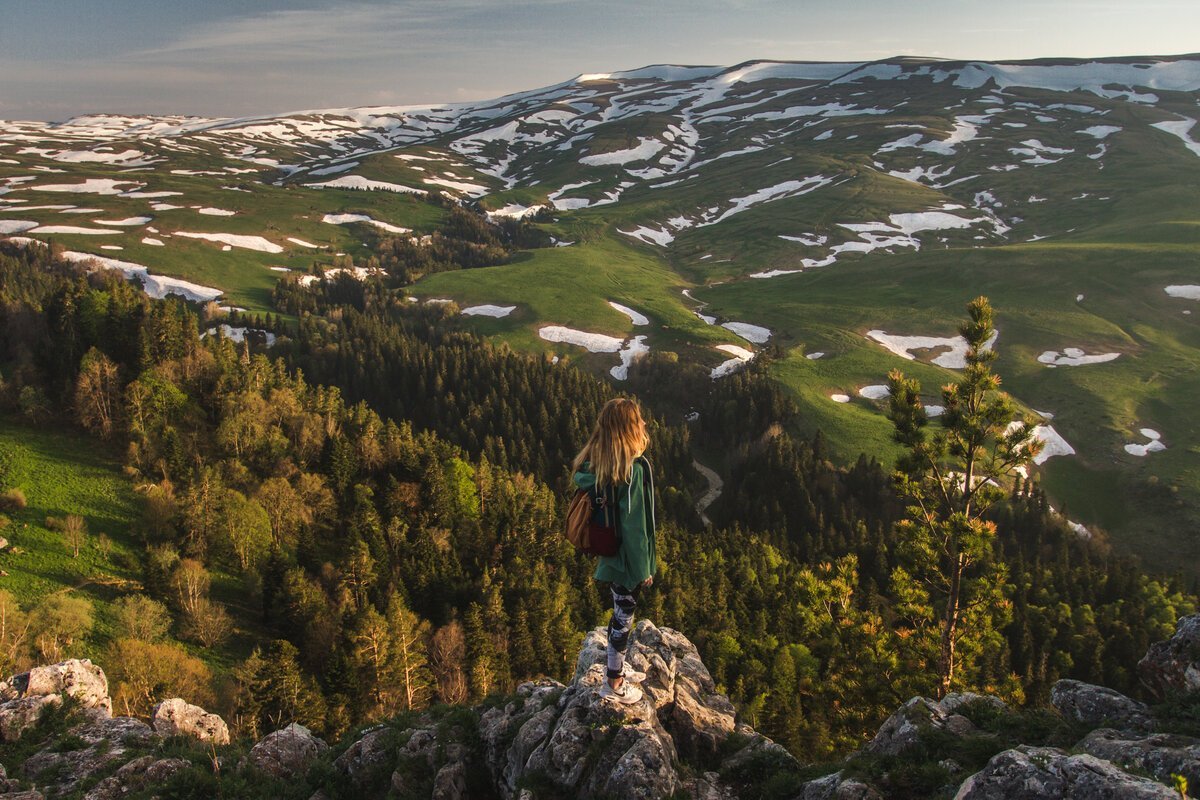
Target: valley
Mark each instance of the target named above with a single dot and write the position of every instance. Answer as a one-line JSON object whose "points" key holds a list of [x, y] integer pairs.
{"points": [[822, 214]]}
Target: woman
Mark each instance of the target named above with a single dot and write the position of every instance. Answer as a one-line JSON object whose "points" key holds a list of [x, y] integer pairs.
{"points": [[612, 458]]}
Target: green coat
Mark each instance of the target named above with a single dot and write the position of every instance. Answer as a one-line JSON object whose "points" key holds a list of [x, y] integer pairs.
{"points": [[637, 559]]}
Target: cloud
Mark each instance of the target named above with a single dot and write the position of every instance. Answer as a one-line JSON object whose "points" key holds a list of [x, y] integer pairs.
{"points": [[340, 31]]}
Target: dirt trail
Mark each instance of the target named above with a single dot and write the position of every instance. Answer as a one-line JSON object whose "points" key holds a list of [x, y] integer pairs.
{"points": [[715, 484]]}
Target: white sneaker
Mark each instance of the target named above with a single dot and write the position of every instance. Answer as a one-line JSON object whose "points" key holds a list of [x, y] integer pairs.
{"points": [[632, 675], [628, 694]]}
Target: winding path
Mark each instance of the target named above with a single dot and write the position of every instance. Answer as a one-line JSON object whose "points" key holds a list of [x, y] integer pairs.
{"points": [[715, 484]]}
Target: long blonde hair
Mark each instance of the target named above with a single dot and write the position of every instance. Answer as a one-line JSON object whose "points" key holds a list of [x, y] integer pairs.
{"points": [[619, 438]]}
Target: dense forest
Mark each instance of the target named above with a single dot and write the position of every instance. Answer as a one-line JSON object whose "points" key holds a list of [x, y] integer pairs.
{"points": [[384, 487]]}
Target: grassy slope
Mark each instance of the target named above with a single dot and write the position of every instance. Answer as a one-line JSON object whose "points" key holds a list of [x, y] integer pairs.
{"points": [[64, 472], [61, 473], [275, 213]]}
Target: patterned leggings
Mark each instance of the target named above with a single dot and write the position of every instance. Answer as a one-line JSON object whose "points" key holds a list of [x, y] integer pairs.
{"points": [[624, 603]]}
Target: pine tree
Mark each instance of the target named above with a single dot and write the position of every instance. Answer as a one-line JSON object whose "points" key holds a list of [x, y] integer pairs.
{"points": [[950, 479]]}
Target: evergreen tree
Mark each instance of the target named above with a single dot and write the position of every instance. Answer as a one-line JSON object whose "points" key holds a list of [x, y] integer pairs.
{"points": [[952, 583]]}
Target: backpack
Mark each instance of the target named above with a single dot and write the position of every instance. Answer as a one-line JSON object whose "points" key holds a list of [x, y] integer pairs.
{"points": [[593, 522]]}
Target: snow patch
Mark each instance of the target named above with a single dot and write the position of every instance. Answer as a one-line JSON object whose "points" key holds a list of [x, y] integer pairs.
{"points": [[235, 240], [1185, 291], [955, 358], [1074, 357], [634, 317], [489, 311], [346, 219], [751, 333]]}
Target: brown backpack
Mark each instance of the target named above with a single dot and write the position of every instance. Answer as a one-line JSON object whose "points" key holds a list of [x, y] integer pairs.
{"points": [[592, 522]]}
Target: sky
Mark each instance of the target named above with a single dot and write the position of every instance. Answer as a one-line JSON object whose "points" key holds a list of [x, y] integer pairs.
{"points": [[224, 58]]}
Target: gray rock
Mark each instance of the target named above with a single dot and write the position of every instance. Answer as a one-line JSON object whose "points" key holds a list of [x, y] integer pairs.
{"points": [[1173, 666], [76, 678], [31, 794], [104, 743], [1162, 755], [1035, 773], [177, 717], [365, 761], [837, 787], [1097, 705], [709, 787], [138, 774], [450, 783], [287, 752], [902, 731], [17, 715]]}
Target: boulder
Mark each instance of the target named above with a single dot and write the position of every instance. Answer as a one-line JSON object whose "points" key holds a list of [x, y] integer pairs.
{"points": [[287, 752], [369, 758], [1035, 773], [1097, 705], [79, 679], [141, 773], [1173, 666], [1161, 755], [24, 697], [902, 731], [837, 787], [177, 717], [450, 783], [17, 715]]}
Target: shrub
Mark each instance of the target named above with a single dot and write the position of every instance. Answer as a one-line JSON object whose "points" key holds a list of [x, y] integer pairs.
{"points": [[12, 500]]}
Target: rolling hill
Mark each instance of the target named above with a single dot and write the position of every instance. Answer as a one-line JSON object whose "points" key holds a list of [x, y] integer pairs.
{"points": [[840, 213]]}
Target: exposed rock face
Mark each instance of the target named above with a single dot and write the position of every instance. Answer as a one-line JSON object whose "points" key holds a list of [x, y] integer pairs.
{"points": [[1161, 755], [24, 697], [287, 752], [97, 745], [179, 717], [367, 758], [138, 774], [1173, 666], [1045, 772], [902, 731], [1097, 705], [836, 787], [589, 747]]}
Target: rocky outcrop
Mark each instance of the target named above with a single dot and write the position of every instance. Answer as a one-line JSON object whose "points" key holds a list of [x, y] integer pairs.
{"points": [[25, 697], [177, 717], [141, 773], [1173, 667], [903, 730], [95, 746], [1097, 705], [551, 739], [586, 746], [1026, 773], [287, 752], [1161, 755]]}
